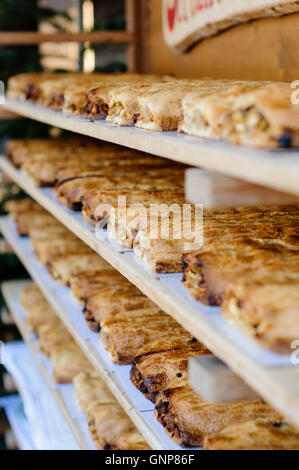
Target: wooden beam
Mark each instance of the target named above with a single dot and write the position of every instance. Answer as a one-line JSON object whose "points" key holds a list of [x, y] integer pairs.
{"points": [[133, 19], [4, 115], [96, 37]]}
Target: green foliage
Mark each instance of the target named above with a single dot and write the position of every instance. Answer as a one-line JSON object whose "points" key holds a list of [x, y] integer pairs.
{"points": [[9, 192], [116, 23], [18, 60], [11, 267], [112, 67], [21, 128], [18, 15], [24, 15]]}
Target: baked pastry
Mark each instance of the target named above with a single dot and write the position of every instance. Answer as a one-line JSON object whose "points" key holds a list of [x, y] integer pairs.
{"points": [[139, 332], [112, 300], [52, 91], [26, 86], [90, 388], [44, 225], [72, 191], [99, 98], [160, 106], [217, 230], [97, 205], [161, 256], [203, 112], [265, 117], [97, 103], [152, 373], [123, 163], [30, 296], [75, 99], [45, 249], [132, 440], [67, 360], [188, 419], [16, 206], [52, 335], [44, 228], [63, 267], [36, 153], [44, 172], [123, 225], [24, 212], [265, 308], [115, 429], [20, 150], [207, 273], [76, 96], [84, 283], [40, 314], [64, 165], [260, 434], [123, 107], [107, 422], [26, 220]]}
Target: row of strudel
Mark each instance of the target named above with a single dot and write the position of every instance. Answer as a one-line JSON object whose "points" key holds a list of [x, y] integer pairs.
{"points": [[50, 161], [55, 341], [242, 112], [69, 364], [91, 183], [67, 90], [108, 424], [162, 376]]}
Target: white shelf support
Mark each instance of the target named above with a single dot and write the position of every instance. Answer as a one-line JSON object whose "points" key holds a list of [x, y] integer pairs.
{"points": [[215, 382]]}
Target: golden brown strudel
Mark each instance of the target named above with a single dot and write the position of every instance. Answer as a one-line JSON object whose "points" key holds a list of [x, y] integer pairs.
{"points": [[68, 360], [187, 418], [112, 300], [207, 273], [88, 388], [139, 332], [63, 267], [265, 308], [84, 283], [260, 434], [265, 117], [152, 373]]}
